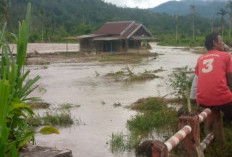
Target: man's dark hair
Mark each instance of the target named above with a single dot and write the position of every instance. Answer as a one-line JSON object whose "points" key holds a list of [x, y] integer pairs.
{"points": [[209, 40]]}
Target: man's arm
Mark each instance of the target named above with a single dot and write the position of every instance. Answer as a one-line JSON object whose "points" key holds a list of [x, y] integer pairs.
{"points": [[229, 79]]}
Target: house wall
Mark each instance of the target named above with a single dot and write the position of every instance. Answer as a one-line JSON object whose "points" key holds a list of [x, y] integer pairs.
{"points": [[109, 46], [86, 45], [98, 46], [134, 43]]}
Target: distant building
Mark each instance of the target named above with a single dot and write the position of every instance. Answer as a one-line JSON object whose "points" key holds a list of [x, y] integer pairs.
{"points": [[115, 37]]}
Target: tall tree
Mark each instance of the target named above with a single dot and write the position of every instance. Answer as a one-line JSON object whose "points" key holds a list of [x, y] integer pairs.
{"points": [[193, 8], [42, 20], [4, 7], [229, 5], [222, 12], [212, 23], [176, 24]]}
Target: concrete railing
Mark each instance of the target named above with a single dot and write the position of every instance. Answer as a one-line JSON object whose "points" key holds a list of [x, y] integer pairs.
{"points": [[189, 135]]}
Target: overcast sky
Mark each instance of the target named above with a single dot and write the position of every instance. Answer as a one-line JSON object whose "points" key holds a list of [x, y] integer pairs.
{"points": [[136, 3]]}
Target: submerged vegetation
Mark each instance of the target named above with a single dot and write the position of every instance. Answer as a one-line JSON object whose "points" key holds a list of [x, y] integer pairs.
{"points": [[60, 116], [127, 74], [54, 118]]}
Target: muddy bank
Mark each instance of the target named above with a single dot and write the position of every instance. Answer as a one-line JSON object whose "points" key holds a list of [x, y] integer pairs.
{"points": [[81, 57]]}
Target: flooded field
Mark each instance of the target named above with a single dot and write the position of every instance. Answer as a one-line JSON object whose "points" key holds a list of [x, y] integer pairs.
{"points": [[85, 84], [48, 47]]}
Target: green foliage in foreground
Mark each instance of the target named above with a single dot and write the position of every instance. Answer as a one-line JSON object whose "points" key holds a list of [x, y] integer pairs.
{"points": [[14, 91]]}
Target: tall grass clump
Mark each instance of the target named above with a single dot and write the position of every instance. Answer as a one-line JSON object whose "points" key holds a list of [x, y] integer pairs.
{"points": [[153, 117], [117, 142], [14, 92]]}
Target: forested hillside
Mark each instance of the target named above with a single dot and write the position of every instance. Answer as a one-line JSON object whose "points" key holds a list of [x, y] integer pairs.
{"points": [[208, 9], [53, 20]]}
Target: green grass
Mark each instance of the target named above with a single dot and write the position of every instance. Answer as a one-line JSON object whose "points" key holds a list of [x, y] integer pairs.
{"points": [[117, 142], [54, 118], [215, 149], [150, 103]]}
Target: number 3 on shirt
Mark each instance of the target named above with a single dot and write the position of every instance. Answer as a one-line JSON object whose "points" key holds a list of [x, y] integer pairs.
{"points": [[208, 65]]}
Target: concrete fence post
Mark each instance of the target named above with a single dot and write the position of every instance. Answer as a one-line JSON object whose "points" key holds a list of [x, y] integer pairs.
{"points": [[159, 149], [214, 124], [191, 143]]}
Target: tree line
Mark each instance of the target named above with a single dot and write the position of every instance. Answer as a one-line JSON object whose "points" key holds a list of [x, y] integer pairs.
{"points": [[54, 20]]}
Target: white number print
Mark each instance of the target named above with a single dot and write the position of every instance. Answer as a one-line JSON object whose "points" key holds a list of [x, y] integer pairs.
{"points": [[208, 63]]}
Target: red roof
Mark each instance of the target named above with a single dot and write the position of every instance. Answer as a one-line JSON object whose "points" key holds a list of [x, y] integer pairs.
{"points": [[114, 28], [131, 30], [116, 31]]}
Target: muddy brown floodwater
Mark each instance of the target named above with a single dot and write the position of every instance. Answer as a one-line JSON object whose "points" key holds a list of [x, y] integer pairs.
{"points": [[84, 84]]}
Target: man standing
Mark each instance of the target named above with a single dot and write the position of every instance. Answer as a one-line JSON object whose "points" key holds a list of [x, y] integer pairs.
{"points": [[214, 71]]}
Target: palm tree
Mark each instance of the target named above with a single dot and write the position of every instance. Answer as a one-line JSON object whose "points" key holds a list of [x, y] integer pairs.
{"points": [[222, 12], [229, 5], [193, 8]]}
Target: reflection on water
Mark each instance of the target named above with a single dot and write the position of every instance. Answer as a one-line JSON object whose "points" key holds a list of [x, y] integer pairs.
{"points": [[83, 84]]}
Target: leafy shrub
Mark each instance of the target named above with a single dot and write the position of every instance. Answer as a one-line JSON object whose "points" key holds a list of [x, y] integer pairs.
{"points": [[181, 81], [14, 88]]}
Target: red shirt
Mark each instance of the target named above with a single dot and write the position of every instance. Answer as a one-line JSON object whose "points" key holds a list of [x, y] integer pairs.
{"points": [[211, 69]]}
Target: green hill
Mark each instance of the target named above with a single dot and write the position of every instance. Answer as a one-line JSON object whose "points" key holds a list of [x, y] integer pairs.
{"points": [[55, 19], [207, 9]]}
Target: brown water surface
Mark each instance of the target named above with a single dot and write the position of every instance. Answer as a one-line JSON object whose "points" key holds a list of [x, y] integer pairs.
{"points": [[84, 84]]}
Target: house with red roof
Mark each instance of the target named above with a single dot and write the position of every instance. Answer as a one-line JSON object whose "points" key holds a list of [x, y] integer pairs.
{"points": [[115, 37]]}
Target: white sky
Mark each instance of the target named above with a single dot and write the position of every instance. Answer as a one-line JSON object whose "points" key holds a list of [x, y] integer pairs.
{"points": [[137, 3]]}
